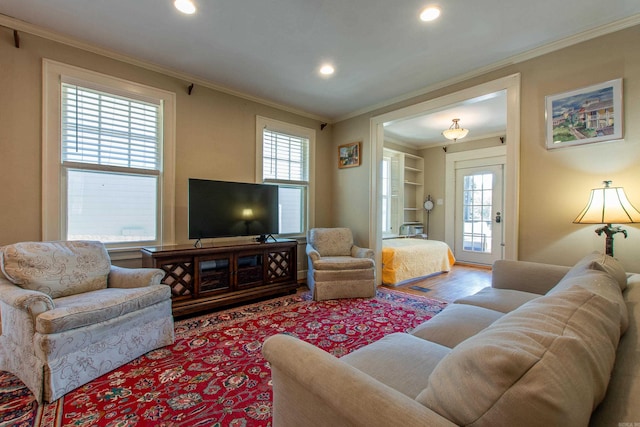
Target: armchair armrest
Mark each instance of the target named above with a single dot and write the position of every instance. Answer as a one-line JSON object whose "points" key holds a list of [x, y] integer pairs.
{"points": [[312, 253], [358, 252], [526, 276], [120, 277], [313, 388], [33, 302]]}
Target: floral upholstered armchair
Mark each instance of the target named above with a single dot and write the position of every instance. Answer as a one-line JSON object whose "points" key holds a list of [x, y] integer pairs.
{"points": [[337, 267], [69, 316]]}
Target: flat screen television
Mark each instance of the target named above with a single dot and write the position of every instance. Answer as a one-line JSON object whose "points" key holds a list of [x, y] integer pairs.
{"points": [[226, 209]]}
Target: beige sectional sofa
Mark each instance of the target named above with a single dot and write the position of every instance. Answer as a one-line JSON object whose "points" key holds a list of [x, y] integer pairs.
{"points": [[543, 346]]}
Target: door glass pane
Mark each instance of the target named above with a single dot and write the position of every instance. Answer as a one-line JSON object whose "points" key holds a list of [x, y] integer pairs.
{"points": [[111, 207], [477, 210]]}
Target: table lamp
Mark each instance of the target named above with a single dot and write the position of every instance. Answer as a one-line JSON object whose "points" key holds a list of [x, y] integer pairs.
{"points": [[608, 205]]}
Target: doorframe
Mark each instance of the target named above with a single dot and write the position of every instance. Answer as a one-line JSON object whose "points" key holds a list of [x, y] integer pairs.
{"points": [[512, 169], [484, 156]]}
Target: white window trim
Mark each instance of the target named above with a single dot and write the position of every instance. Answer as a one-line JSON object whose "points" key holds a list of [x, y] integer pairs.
{"points": [[295, 130], [52, 221]]}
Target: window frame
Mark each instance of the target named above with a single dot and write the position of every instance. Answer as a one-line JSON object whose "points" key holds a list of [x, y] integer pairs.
{"points": [[301, 132], [53, 200]]}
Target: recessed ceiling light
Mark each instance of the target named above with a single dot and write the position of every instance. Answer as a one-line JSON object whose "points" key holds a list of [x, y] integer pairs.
{"points": [[429, 14], [327, 70], [185, 6]]}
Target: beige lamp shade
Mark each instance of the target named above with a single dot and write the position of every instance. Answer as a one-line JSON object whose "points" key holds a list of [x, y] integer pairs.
{"points": [[608, 205], [455, 131]]}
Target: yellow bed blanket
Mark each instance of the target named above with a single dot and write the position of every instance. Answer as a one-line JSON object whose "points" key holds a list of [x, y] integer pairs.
{"points": [[404, 259]]}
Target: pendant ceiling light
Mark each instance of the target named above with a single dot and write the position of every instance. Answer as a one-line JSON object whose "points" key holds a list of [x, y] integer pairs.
{"points": [[455, 132]]}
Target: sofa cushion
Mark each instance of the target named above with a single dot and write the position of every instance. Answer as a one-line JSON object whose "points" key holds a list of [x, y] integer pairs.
{"points": [[502, 300], [455, 324], [600, 283], [401, 361], [90, 308], [57, 269], [551, 359], [621, 402], [602, 262]]}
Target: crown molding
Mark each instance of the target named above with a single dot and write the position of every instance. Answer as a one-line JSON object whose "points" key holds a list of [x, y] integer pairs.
{"points": [[16, 24], [515, 59], [19, 25]]}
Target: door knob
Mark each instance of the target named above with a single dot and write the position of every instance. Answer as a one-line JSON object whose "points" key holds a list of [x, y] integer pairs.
{"points": [[498, 218]]}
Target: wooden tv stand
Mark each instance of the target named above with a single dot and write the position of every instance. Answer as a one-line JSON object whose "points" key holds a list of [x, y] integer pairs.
{"points": [[216, 276]]}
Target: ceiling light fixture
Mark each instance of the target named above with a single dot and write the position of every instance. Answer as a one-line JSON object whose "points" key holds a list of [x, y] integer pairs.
{"points": [[455, 132], [185, 6], [431, 13], [327, 70]]}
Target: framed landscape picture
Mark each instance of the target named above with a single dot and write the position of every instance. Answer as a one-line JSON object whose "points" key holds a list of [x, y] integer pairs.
{"points": [[584, 116], [349, 155]]}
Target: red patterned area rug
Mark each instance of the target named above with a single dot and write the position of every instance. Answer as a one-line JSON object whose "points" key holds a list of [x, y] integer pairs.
{"points": [[214, 374]]}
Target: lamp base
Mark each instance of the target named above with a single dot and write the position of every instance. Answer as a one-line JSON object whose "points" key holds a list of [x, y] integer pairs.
{"points": [[610, 231]]}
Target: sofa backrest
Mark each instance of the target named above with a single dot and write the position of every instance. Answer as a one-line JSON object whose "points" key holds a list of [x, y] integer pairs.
{"points": [[547, 362], [331, 241], [57, 269], [603, 275], [601, 262]]}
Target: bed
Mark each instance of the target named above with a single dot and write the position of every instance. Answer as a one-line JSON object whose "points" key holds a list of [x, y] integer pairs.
{"points": [[406, 259]]}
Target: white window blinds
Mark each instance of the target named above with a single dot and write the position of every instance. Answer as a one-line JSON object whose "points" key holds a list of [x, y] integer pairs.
{"points": [[285, 158], [105, 129]]}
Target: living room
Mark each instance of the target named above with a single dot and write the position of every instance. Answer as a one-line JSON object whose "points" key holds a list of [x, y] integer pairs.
{"points": [[215, 133], [553, 184]]}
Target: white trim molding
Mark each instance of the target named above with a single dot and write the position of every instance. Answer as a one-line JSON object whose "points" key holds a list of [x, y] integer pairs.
{"points": [[52, 72]]}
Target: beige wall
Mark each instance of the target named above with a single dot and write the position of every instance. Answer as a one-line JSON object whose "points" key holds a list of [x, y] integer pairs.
{"points": [[215, 133], [216, 140], [554, 185], [350, 202]]}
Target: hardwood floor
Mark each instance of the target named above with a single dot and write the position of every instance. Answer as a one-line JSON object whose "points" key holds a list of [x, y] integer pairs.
{"points": [[461, 281]]}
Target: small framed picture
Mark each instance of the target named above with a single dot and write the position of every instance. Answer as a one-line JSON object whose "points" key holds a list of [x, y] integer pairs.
{"points": [[349, 155], [584, 116]]}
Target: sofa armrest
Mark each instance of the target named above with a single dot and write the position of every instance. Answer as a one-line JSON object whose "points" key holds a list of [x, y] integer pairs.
{"points": [[120, 277], [313, 388], [313, 254], [358, 252], [526, 276], [33, 302]]}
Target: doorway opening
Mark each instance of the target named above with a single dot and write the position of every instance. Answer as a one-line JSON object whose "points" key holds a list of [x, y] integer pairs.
{"points": [[511, 167]]}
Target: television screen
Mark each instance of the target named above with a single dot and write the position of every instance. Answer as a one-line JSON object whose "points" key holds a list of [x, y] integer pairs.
{"points": [[225, 209]]}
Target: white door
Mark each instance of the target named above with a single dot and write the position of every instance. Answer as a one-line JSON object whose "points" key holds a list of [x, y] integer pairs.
{"points": [[479, 214]]}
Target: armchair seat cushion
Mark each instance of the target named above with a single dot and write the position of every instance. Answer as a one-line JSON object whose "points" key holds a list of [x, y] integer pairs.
{"points": [[89, 308], [343, 263], [57, 269]]}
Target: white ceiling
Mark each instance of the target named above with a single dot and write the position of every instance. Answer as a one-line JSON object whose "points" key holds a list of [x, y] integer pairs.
{"points": [[271, 50], [484, 117]]}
